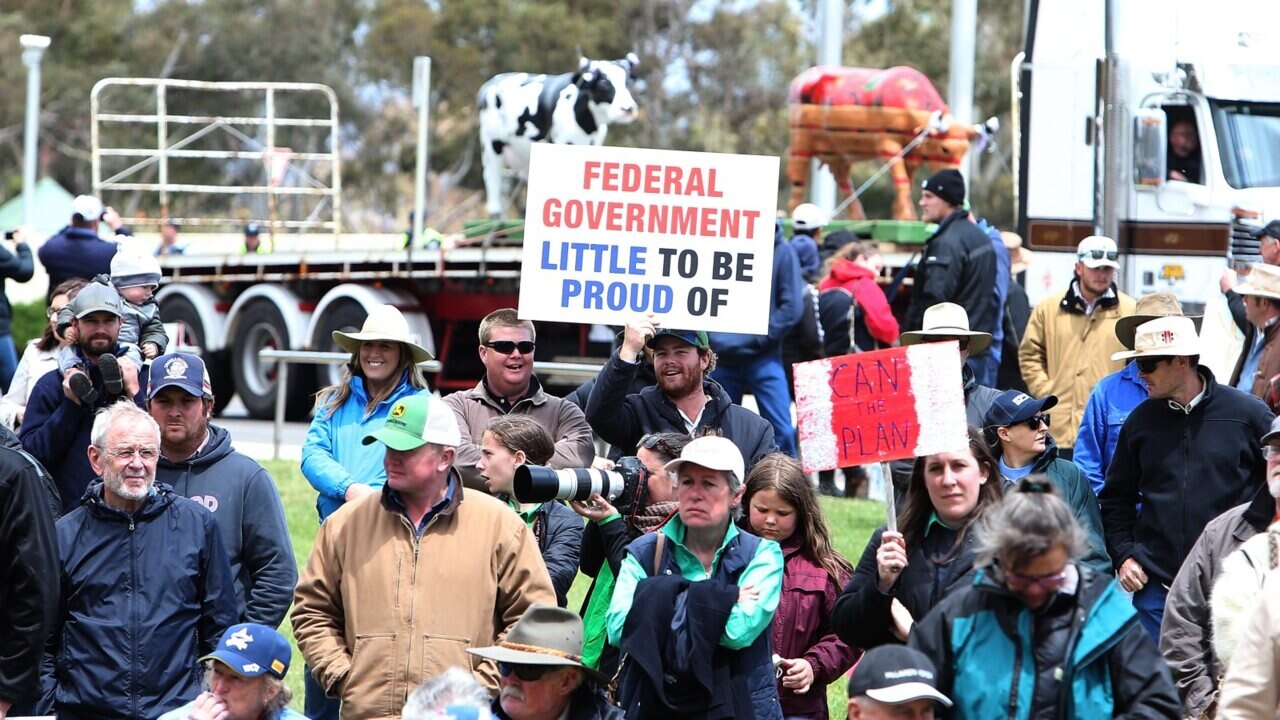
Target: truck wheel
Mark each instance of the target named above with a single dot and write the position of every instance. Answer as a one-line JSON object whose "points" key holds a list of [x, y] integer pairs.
{"points": [[345, 315], [179, 310], [261, 327]]}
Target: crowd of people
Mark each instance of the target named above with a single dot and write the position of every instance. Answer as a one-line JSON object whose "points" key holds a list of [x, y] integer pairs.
{"points": [[1102, 545]]}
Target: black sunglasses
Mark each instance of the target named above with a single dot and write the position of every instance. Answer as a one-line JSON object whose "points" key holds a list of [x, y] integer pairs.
{"points": [[506, 347], [964, 341], [1099, 254], [1033, 422], [1149, 364], [527, 673]]}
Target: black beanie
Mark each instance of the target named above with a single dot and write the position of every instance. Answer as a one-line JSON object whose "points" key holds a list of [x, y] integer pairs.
{"points": [[948, 185]]}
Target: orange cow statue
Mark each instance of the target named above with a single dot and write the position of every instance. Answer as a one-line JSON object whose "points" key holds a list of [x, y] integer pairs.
{"points": [[841, 115]]}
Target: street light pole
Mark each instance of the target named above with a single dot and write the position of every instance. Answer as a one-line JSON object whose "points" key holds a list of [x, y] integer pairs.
{"points": [[33, 50]]}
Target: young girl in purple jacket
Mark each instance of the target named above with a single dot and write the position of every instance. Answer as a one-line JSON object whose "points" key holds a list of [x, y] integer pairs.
{"points": [[782, 506]]}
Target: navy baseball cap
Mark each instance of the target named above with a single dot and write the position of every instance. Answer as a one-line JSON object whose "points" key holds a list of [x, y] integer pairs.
{"points": [[251, 650], [1012, 406], [179, 370], [696, 338], [253, 229], [1272, 228]]}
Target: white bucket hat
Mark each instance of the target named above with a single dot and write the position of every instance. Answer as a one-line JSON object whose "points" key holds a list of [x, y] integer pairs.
{"points": [[947, 320], [1173, 335], [1264, 281], [387, 324]]}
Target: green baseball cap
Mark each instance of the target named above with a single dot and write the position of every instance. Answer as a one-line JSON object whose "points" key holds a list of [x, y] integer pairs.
{"points": [[415, 421]]}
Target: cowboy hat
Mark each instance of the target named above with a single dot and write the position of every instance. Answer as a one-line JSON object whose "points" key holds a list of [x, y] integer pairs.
{"points": [[1149, 307], [947, 320], [544, 635], [1165, 336], [1264, 281], [385, 323]]}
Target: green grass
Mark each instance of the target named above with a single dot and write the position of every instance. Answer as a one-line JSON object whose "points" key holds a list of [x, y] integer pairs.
{"points": [[851, 521]]}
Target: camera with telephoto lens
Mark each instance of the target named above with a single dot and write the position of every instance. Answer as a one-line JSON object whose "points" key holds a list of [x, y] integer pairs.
{"points": [[619, 485]]}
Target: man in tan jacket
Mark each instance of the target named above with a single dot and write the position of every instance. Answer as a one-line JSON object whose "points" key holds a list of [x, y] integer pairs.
{"points": [[1070, 338], [400, 583], [507, 345]]}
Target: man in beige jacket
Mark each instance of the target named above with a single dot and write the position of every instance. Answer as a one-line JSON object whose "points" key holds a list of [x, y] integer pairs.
{"points": [[401, 582], [507, 345], [1070, 338]]}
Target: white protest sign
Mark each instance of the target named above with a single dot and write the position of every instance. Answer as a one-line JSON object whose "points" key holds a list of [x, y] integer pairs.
{"points": [[611, 233]]}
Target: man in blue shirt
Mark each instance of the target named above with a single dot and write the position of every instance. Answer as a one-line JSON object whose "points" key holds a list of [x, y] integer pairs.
{"points": [[244, 678], [76, 250]]}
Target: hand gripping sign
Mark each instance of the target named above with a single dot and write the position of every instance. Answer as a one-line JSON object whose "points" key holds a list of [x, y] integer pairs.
{"points": [[880, 406], [612, 233]]}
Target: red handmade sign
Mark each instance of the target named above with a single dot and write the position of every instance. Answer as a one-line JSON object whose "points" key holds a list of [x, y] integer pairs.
{"points": [[880, 406]]}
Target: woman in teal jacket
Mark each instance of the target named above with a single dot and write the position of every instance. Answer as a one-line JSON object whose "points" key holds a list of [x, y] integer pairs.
{"points": [[1038, 634], [383, 369]]}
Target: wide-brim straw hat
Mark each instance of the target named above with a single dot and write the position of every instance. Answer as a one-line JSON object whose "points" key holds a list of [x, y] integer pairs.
{"points": [[386, 324], [1150, 307], [544, 635], [1166, 336], [947, 320], [1264, 281]]}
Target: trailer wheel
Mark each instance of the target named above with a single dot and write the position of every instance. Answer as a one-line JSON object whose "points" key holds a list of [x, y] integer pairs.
{"points": [[345, 315], [178, 309], [261, 327]]}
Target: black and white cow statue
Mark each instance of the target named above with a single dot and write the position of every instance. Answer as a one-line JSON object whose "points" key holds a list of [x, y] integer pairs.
{"points": [[519, 109]]}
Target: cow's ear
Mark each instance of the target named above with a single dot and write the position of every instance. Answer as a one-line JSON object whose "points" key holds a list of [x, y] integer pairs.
{"points": [[633, 61]]}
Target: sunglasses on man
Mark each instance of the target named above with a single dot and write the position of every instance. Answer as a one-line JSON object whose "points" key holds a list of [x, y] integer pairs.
{"points": [[1149, 364], [1099, 255], [506, 347], [527, 673]]}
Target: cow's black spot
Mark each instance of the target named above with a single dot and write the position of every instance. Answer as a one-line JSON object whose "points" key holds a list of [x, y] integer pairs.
{"points": [[498, 145], [547, 99], [497, 102]]}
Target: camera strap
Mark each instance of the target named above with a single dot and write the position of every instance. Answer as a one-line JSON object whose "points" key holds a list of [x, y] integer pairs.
{"points": [[657, 553]]}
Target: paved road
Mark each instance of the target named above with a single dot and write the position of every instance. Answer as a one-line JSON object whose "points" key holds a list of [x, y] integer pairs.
{"points": [[255, 437]]}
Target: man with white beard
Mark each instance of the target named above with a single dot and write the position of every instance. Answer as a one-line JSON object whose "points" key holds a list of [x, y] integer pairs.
{"points": [[1186, 633], [146, 586]]}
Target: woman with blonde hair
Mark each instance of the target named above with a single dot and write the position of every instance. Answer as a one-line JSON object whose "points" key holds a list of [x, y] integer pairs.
{"points": [[383, 369]]}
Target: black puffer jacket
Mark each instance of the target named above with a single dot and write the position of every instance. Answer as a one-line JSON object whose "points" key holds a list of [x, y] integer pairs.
{"points": [[29, 589], [861, 617], [1185, 469], [623, 419], [959, 266], [143, 597]]}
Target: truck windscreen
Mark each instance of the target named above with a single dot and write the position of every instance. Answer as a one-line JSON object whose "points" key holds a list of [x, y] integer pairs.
{"points": [[1248, 142]]}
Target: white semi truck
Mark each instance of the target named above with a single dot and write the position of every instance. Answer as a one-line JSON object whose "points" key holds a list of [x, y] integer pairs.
{"points": [[1096, 91]]}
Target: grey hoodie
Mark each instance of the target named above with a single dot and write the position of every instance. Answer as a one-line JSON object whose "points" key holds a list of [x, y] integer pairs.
{"points": [[244, 499]]}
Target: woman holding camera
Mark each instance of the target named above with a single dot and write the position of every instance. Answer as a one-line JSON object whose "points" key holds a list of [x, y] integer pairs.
{"points": [[508, 442], [713, 657], [902, 575], [605, 539]]}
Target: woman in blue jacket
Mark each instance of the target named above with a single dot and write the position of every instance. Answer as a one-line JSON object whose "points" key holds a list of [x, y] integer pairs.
{"points": [[1038, 634], [383, 369]]}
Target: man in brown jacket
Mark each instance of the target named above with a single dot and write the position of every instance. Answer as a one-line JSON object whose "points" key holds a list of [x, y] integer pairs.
{"points": [[1070, 338], [400, 583], [506, 348], [1258, 367], [1186, 633]]}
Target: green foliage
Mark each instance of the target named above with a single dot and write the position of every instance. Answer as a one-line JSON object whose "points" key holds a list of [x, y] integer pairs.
{"points": [[713, 76], [28, 323]]}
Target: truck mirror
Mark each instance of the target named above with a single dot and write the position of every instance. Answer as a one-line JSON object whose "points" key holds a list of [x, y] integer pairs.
{"points": [[1150, 143]]}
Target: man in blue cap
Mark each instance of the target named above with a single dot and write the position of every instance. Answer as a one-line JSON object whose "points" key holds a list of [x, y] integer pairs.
{"points": [[244, 679]]}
